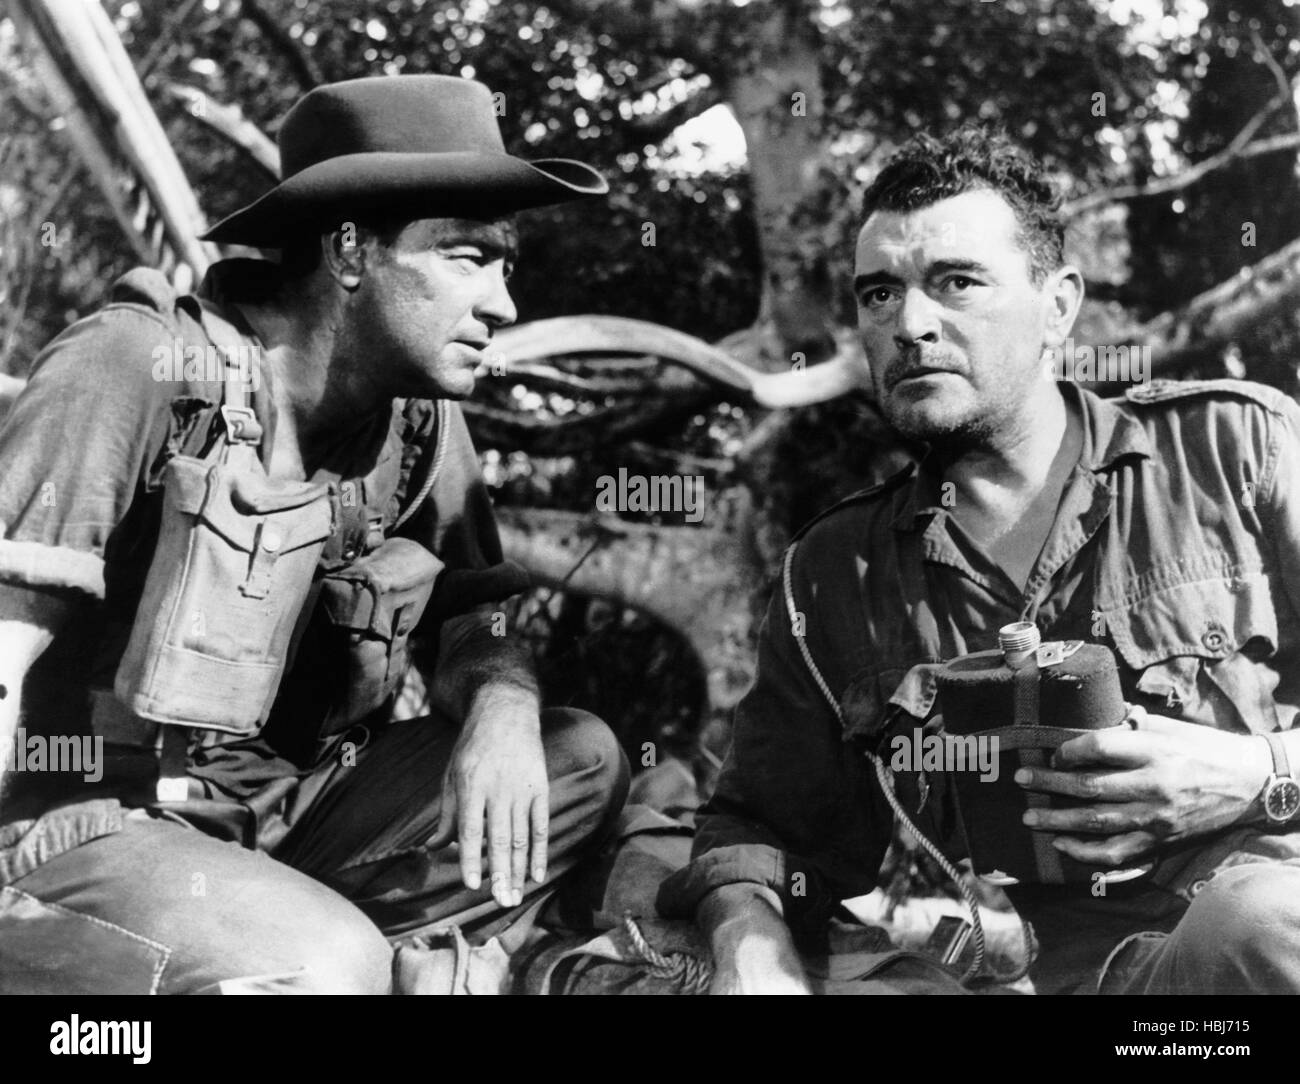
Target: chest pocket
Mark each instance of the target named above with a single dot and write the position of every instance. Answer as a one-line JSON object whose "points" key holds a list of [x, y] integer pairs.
{"points": [[1198, 649], [370, 610]]}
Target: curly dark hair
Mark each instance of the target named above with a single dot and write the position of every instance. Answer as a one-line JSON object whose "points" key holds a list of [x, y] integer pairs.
{"points": [[926, 170]]}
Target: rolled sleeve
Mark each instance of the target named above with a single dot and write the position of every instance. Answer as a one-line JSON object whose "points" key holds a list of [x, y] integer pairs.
{"points": [[75, 447]]}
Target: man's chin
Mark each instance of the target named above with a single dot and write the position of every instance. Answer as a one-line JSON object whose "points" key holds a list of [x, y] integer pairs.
{"points": [[457, 385], [930, 420]]}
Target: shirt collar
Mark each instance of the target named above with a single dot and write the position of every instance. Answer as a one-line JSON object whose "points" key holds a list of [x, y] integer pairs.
{"points": [[1110, 434]]}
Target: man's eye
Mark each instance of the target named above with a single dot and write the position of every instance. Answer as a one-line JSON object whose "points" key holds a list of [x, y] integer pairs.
{"points": [[876, 297], [959, 283]]}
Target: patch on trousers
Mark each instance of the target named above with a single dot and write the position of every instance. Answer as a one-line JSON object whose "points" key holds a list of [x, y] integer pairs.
{"points": [[49, 949]]}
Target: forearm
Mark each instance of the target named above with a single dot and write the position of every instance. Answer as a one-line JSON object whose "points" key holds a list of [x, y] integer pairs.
{"points": [[748, 936], [475, 667], [28, 620]]}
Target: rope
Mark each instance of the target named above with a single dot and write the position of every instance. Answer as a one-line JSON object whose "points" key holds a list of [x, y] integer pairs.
{"points": [[692, 973], [439, 454], [886, 782]]}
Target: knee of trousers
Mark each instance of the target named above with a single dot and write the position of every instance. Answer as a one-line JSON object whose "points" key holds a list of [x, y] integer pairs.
{"points": [[1249, 914], [584, 757], [339, 954]]}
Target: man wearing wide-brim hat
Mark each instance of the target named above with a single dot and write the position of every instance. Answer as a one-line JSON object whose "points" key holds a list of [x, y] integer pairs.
{"points": [[192, 849]]}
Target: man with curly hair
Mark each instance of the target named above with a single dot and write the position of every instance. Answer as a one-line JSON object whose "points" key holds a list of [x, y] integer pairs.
{"points": [[1164, 525]]}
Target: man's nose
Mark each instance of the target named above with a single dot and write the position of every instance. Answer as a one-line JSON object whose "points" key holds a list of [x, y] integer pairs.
{"points": [[918, 319], [498, 307]]}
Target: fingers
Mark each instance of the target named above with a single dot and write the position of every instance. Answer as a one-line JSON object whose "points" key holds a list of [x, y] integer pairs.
{"points": [[471, 838], [1117, 745], [1093, 820], [1110, 853], [1104, 786], [539, 812], [519, 839], [499, 832]]}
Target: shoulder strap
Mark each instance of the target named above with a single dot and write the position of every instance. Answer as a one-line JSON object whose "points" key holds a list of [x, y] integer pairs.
{"points": [[241, 425]]}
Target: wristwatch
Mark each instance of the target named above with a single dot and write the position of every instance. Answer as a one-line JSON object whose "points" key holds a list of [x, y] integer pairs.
{"points": [[1281, 792]]}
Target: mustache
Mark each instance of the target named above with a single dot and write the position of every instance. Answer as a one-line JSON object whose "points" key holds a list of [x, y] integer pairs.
{"points": [[920, 358]]}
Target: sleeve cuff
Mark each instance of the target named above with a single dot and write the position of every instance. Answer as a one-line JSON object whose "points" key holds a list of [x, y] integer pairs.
{"points": [[744, 863], [34, 564]]}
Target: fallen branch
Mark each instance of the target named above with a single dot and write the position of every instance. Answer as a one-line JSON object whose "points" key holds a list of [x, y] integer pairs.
{"points": [[1226, 312], [580, 334]]}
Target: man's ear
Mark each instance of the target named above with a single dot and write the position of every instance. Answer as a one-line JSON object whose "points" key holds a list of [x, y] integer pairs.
{"points": [[1062, 294], [343, 254]]}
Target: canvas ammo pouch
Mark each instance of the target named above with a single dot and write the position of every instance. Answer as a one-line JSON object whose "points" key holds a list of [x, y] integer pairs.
{"points": [[368, 611], [234, 565]]}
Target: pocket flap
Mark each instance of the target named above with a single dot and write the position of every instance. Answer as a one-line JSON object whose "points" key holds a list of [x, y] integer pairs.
{"points": [[375, 594], [1210, 619], [294, 515]]}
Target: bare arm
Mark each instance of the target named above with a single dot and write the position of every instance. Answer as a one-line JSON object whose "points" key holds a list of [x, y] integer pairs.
{"points": [[496, 790], [753, 952], [28, 622]]}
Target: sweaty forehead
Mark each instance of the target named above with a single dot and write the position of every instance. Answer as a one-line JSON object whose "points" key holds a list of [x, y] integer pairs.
{"points": [[976, 225]]}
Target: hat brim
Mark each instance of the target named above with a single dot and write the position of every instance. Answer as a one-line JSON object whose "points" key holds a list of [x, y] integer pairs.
{"points": [[460, 184]]}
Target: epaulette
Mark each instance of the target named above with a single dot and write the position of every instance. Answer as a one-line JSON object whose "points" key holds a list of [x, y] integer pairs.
{"points": [[1168, 391], [144, 286], [870, 493]]}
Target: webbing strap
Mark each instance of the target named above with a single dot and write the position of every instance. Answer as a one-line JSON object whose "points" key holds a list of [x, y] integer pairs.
{"points": [[1025, 687], [173, 763]]}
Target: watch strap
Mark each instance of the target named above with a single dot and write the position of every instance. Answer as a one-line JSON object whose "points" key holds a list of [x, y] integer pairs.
{"points": [[1281, 765]]}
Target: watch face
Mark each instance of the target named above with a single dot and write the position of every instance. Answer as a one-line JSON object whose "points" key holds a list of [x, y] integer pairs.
{"points": [[1282, 800]]}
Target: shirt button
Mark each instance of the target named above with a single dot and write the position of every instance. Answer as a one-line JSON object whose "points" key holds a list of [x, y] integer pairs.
{"points": [[1196, 888], [1214, 638], [271, 540]]}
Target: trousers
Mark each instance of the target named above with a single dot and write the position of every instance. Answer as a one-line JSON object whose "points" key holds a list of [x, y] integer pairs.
{"points": [[99, 898], [1224, 918]]}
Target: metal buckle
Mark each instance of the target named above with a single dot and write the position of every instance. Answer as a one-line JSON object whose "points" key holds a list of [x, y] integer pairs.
{"points": [[1051, 653], [242, 426]]}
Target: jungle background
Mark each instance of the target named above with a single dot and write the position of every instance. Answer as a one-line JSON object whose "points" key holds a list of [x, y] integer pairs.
{"points": [[737, 137]]}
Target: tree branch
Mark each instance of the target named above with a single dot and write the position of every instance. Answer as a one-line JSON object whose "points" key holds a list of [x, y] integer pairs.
{"points": [[303, 67], [579, 334], [659, 126], [1241, 147], [495, 427], [1224, 313], [229, 122]]}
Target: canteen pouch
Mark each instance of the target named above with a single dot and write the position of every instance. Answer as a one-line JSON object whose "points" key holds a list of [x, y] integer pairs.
{"points": [[233, 568], [368, 612], [1024, 715]]}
